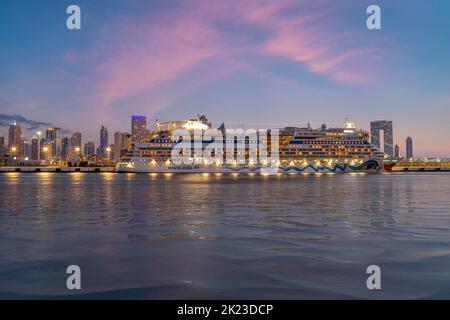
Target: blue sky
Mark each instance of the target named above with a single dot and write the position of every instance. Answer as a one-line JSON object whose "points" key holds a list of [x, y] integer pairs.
{"points": [[241, 62]]}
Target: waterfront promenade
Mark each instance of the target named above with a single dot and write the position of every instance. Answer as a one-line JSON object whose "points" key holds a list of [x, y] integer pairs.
{"points": [[410, 165], [112, 169], [57, 169]]}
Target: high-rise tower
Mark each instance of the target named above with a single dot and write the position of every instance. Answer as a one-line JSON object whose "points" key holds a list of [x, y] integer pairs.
{"points": [[409, 148], [388, 136], [138, 128], [103, 142], [15, 139]]}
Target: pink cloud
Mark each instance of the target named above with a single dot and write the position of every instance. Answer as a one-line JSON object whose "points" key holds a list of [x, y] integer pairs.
{"points": [[155, 55], [138, 56], [310, 41]]}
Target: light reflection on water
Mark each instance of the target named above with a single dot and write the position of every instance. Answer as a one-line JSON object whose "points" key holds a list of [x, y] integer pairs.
{"points": [[225, 236]]}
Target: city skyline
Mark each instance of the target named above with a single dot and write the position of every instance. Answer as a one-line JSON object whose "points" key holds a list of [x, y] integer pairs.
{"points": [[63, 146], [225, 158], [236, 62]]}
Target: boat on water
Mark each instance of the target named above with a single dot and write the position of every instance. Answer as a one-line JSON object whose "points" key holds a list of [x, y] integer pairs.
{"points": [[299, 150]]}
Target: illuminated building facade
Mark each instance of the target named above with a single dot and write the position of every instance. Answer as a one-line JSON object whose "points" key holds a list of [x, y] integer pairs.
{"points": [[89, 149], [138, 128], [65, 148], [53, 139], [75, 140], [122, 143], [388, 136], [15, 139], [2, 145], [101, 151]]}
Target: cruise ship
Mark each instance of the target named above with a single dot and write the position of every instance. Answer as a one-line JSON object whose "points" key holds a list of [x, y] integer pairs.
{"points": [[300, 150]]}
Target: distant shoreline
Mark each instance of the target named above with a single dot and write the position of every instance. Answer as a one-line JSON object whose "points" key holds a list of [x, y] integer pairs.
{"points": [[26, 169]]}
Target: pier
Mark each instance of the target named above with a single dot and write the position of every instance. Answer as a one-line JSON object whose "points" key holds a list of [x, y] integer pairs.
{"points": [[422, 165]]}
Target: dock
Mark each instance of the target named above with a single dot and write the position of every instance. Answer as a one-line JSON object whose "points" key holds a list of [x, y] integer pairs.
{"points": [[422, 165]]}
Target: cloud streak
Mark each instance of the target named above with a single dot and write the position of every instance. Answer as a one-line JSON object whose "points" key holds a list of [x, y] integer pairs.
{"points": [[6, 120], [133, 57]]}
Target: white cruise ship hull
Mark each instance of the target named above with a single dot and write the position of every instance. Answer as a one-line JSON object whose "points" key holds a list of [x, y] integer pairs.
{"points": [[136, 165]]}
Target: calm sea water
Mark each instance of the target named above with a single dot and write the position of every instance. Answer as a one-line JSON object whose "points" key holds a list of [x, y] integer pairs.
{"points": [[231, 236]]}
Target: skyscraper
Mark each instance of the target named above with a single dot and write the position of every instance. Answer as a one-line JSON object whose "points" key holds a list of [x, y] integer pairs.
{"points": [[103, 142], [388, 136], [75, 140], [65, 148], [46, 150], [122, 142], [41, 146], [34, 148], [2, 144], [397, 151], [126, 141], [110, 151], [138, 128], [53, 137], [15, 139], [89, 149], [26, 149], [409, 148]]}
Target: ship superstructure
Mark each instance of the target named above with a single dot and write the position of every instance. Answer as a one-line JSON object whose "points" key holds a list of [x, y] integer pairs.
{"points": [[300, 150]]}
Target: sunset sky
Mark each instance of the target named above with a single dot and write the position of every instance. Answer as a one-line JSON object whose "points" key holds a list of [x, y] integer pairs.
{"points": [[238, 61]]}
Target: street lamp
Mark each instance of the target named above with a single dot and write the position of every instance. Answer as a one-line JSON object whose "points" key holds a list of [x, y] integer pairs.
{"points": [[77, 156], [45, 149], [13, 149]]}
